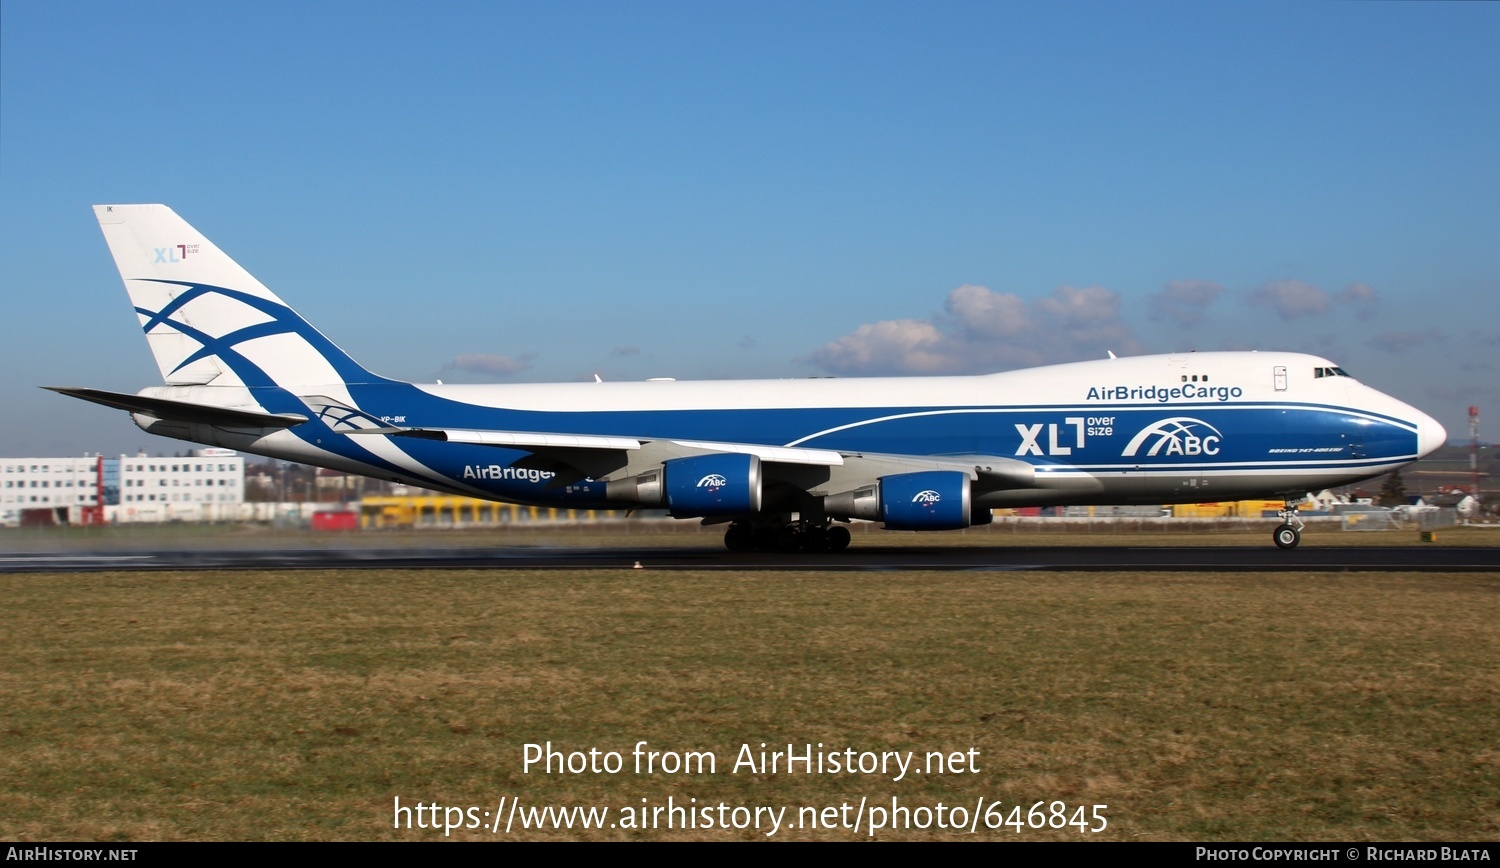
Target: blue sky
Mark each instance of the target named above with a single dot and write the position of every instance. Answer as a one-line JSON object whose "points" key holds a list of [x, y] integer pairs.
{"points": [[545, 191]]}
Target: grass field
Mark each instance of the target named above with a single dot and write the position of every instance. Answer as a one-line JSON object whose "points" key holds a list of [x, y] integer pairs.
{"points": [[252, 705]]}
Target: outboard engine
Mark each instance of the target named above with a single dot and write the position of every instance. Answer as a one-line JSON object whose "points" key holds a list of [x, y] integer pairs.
{"points": [[926, 500]]}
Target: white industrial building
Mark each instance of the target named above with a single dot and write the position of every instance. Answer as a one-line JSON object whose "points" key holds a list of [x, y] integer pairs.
{"points": [[205, 485]]}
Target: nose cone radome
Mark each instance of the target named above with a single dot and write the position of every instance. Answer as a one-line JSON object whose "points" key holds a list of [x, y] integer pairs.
{"points": [[1430, 434]]}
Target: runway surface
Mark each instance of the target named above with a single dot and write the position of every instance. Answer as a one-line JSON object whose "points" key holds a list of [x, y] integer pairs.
{"points": [[1152, 558]]}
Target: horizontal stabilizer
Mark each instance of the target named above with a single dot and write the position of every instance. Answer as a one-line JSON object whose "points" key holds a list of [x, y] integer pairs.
{"points": [[183, 411]]}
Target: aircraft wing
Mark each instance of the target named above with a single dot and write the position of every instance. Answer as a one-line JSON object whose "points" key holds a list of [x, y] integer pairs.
{"points": [[573, 457], [349, 420], [544, 443], [597, 456], [525, 440]]}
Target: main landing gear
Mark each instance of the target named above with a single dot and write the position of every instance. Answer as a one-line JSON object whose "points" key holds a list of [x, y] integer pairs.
{"points": [[792, 537], [1289, 532]]}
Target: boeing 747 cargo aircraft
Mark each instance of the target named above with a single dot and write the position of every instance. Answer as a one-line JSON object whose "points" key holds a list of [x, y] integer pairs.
{"points": [[783, 463]]}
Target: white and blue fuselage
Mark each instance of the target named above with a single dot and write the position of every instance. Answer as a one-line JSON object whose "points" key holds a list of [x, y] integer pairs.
{"points": [[1173, 428], [245, 371]]}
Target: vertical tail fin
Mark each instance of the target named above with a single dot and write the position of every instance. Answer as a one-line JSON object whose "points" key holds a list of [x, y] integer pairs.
{"points": [[208, 320]]}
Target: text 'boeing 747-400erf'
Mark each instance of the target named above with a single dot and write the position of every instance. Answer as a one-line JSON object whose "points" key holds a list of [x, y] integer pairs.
{"points": [[784, 463]]}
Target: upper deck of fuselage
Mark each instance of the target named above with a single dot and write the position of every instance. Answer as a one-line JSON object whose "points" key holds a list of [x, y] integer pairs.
{"points": [[1182, 378]]}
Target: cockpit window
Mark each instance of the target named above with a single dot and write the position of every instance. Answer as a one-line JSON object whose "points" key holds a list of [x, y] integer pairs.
{"points": [[1329, 372]]}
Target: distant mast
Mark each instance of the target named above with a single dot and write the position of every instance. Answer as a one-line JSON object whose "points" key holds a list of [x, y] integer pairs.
{"points": [[1474, 451]]}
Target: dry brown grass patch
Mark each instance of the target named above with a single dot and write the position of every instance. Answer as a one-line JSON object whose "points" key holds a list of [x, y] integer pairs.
{"points": [[297, 706]]}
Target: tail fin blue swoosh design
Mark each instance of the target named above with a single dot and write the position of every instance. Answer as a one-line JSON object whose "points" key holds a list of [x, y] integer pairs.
{"points": [[208, 320], [282, 320], [210, 323]]}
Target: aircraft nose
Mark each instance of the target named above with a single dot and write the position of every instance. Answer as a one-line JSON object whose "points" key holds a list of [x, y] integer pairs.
{"points": [[1430, 434]]}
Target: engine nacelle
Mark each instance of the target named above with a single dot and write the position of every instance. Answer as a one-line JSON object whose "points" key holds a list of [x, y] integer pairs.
{"points": [[719, 484], [702, 485], [928, 500]]}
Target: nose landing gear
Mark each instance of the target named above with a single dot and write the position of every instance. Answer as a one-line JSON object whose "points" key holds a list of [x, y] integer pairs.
{"points": [[1289, 532]]}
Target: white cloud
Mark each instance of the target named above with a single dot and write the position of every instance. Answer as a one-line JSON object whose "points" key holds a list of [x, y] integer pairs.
{"points": [[1088, 319], [1291, 299], [983, 330], [986, 314], [1184, 302], [483, 363], [906, 346], [1362, 298]]}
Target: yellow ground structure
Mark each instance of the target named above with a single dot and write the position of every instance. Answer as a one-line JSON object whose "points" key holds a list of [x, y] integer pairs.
{"points": [[450, 511], [1228, 509]]}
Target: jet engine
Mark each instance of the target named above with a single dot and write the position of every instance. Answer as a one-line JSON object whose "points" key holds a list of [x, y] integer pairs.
{"points": [[700, 485], [926, 500]]}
